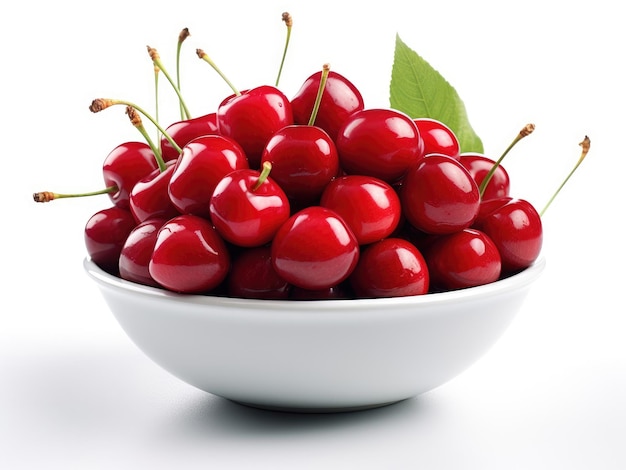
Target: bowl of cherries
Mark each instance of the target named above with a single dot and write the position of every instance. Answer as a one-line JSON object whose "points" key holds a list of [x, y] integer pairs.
{"points": [[309, 253]]}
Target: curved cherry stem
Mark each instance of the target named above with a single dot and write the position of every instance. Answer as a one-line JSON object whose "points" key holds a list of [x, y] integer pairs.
{"points": [[289, 23], [526, 130], [184, 34], [47, 196], [135, 120], [586, 145], [156, 98], [265, 172], [156, 59], [204, 56], [320, 93], [100, 104]]}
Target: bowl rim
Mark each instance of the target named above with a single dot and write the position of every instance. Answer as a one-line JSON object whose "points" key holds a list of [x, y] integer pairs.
{"points": [[511, 283]]}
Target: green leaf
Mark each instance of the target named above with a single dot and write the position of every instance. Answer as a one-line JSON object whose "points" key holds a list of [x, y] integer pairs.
{"points": [[420, 91]]}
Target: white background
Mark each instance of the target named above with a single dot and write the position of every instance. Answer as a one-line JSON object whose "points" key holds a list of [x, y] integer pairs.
{"points": [[76, 393]]}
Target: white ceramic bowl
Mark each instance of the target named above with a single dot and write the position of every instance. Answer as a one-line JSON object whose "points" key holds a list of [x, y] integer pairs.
{"points": [[325, 355]]}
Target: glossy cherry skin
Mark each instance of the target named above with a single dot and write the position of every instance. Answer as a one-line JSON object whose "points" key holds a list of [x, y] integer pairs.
{"points": [[202, 164], [379, 142], [392, 267], [124, 166], [189, 256], [478, 166], [369, 205], [252, 117], [341, 98], [105, 234], [185, 131], [315, 249], [149, 197], [516, 229], [252, 276], [439, 195], [462, 259], [137, 250], [304, 160], [438, 138], [246, 215]]}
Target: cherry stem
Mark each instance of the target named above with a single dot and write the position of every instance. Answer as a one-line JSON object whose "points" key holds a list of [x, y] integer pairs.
{"points": [[184, 34], [156, 99], [320, 93], [526, 130], [100, 104], [47, 196], [135, 120], [204, 56], [585, 144], [156, 59], [289, 23], [265, 172]]}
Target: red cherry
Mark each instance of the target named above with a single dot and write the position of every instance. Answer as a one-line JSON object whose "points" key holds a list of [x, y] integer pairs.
{"points": [[105, 234], [479, 166], [439, 195], [516, 229], [462, 259], [252, 275], [379, 142], [438, 138], [341, 99], [149, 197], [137, 251], [315, 249], [370, 206], [189, 256], [392, 267], [304, 160], [247, 207], [124, 166], [183, 132], [252, 117], [202, 164]]}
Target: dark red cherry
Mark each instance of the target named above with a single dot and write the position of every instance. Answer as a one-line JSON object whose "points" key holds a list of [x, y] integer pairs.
{"points": [[378, 142], [252, 117], [149, 197], [439, 195], [202, 164], [185, 131], [248, 207], [516, 229], [438, 138], [189, 256], [369, 205], [124, 166], [462, 259], [105, 234], [252, 276], [392, 267], [315, 249], [340, 99], [137, 251], [479, 166], [304, 160]]}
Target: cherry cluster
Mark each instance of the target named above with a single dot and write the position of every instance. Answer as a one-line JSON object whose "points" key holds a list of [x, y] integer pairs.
{"points": [[311, 197]]}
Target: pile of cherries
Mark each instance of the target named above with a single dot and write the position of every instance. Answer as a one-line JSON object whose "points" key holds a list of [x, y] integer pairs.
{"points": [[313, 197]]}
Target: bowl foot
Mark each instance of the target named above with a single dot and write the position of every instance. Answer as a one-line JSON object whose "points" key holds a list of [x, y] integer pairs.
{"points": [[315, 409]]}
